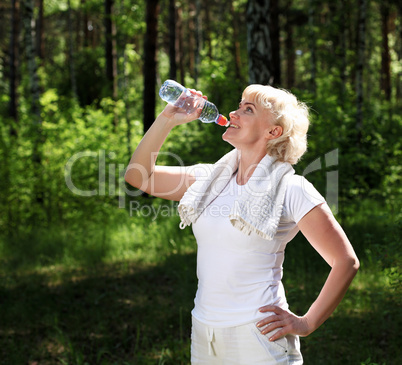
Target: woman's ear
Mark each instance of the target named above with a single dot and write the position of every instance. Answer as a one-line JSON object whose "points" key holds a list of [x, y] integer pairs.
{"points": [[274, 132]]}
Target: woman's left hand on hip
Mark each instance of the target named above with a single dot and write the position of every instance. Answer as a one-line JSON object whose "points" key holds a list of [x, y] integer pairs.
{"points": [[285, 321]]}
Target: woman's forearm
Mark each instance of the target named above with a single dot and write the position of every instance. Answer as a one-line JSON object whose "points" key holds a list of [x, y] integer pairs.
{"points": [[331, 294], [326, 235], [142, 162], [333, 291]]}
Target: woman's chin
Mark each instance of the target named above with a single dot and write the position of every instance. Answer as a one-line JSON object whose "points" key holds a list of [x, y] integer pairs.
{"points": [[227, 138]]}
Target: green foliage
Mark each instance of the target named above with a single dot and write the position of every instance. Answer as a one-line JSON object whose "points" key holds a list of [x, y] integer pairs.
{"points": [[80, 145]]}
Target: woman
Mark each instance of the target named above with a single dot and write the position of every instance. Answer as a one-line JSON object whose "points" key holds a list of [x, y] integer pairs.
{"points": [[244, 210]]}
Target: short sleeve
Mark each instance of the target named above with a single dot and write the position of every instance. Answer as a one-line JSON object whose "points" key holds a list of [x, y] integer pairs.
{"points": [[200, 171], [301, 196]]}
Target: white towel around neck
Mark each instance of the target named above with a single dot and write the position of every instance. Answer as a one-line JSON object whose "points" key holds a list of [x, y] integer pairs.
{"points": [[260, 206]]}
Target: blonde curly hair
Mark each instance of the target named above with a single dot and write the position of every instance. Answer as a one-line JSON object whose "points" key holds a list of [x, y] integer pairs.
{"points": [[289, 113]]}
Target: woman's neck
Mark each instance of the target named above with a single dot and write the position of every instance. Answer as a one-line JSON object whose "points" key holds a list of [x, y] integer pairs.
{"points": [[248, 163]]}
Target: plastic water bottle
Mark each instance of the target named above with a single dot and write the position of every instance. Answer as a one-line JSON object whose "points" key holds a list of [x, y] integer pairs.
{"points": [[176, 94]]}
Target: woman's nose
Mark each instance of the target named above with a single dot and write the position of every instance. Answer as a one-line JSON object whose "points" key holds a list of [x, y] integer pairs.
{"points": [[232, 115]]}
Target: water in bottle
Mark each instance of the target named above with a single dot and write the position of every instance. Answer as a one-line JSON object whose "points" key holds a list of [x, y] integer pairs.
{"points": [[176, 94]]}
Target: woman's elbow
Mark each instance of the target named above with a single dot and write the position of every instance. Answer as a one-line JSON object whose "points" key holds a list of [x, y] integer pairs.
{"points": [[349, 264], [354, 264], [131, 178], [137, 180]]}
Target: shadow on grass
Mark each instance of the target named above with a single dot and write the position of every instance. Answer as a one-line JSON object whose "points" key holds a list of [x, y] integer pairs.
{"points": [[128, 313], [365, 327], [357, 337], [133, 313], [114, 314]]}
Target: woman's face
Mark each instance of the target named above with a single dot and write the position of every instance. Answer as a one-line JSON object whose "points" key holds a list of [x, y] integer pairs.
{"points": [[251, 126]]}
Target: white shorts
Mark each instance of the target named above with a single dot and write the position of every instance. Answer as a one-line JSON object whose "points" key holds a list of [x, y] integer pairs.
{"points": [[241, 345]]}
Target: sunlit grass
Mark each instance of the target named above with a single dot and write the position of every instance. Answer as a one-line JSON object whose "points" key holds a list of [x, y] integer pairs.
{"points": [[122, 294]]}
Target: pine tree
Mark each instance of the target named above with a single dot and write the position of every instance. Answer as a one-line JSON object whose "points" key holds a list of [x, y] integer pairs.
{"points": [[259, 46]]}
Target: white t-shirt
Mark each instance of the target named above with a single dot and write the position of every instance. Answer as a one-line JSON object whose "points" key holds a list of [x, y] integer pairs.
{"points": [[239, 273]]}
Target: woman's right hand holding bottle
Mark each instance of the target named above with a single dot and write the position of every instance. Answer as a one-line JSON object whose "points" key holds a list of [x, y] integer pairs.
{"points": [[177, 115]]}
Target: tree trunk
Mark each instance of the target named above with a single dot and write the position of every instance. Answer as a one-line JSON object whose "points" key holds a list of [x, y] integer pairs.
{"points": [[31, 61], [179, 43], [14, 62], [150, 62], [6, 166], [275, 34], [40, 44], [35, 96], [236, 43], [207, 27], [399, 53], [289, 46], [312, 46], [342, 50], [259, 47], [172, 40], [198, 40], [191, 38], [361, 45], [290, 57], [385, 55], [110, 49], [73, 79], [126, 101], [85, 29]]}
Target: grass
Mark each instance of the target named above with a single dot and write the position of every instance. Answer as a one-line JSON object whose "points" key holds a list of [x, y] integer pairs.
{"points": [[123, 295]]}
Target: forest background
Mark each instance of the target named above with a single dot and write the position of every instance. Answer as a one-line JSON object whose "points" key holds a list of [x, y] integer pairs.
{"points": [[94, 272]]}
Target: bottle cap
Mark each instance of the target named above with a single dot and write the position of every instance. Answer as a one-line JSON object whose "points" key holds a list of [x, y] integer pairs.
{"points": [[222, 121]]}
